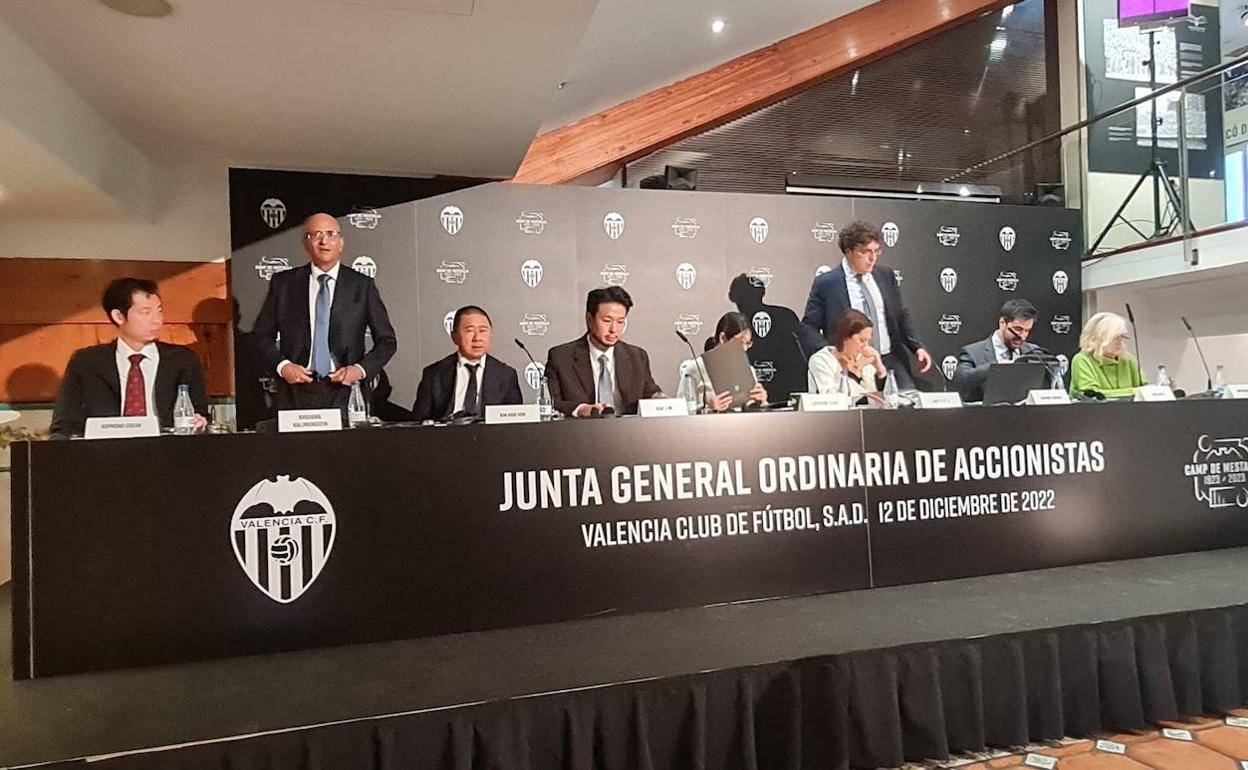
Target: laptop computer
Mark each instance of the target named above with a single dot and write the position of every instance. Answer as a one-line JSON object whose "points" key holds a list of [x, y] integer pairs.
{"points": [[729, 369], [1010, 383]]}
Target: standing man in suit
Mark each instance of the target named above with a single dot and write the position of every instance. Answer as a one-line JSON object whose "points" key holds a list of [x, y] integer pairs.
{"points": [[871, 289], [599, 371], [135, 376], [468, 380], [320, 312], [1006, 344]]}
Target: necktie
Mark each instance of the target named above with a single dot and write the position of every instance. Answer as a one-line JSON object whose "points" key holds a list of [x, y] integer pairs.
{"points": [[470, 395], [320, 334], [869, 305], [606, 388], [136, 392]]}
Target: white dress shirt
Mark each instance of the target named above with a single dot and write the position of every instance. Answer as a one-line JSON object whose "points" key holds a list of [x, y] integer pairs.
{"points": [[859, 303], [461, 382], [824, 367], [594, 353], [314, 288], [1004, 354], [148, 365]]}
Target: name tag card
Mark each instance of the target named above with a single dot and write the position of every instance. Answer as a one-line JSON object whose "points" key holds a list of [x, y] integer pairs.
{"points": [[1111, 747], [663, 407], [308, 420], [1177, 735], [1154, 393], [1041, 761], [1237, 721], [822, 402], [947, 400], [1236, 391], [507, 414], [1046, 397], [121, 427]]}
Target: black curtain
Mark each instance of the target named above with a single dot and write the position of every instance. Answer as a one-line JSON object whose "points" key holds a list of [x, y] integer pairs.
{"points": [[866, 709]]}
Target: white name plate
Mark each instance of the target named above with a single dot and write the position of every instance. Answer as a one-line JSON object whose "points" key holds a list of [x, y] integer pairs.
{"points": [[1154, 393], [1047, 396], [308, 420], [1236, 391], [822, 402], [949, 399], [499, 414], [121, 427], [1041, 761], [1111, 747], [1237, 721], [1177, 735], [663, 407]]}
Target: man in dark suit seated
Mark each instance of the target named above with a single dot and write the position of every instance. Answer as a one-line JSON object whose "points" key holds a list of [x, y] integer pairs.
{"points": [[859, 283], [1006, 344], [320, 312], [468, 380], [599, 371], [135, 376]]}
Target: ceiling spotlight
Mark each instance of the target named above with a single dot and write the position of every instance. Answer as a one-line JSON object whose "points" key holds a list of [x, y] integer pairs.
{"points": [[147, 9], [717, 26]]}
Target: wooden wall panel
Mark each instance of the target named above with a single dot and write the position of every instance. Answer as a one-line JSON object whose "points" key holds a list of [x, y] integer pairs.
{"points": [[579, 151], [53, 308]]}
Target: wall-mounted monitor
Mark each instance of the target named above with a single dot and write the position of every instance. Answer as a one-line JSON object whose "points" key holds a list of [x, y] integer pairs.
{"points": [[1132, 12]]}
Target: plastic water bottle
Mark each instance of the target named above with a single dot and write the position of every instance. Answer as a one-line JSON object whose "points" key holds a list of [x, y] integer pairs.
{"points": [[693, 393], [892, 396], [545, 404], [1162, 377], [184, 412], [357, 407], [1055, 377], [1219, 382]]}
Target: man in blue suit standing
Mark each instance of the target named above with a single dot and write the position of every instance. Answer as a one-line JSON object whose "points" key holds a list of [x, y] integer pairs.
{"points": [[859, 283]]}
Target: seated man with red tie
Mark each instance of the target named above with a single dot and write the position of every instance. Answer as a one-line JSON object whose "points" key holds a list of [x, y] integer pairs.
{"points": [[462, 384], [135, 376]]}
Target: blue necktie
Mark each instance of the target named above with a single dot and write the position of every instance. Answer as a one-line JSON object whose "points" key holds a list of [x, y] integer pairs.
{"points": [[320, 333]]}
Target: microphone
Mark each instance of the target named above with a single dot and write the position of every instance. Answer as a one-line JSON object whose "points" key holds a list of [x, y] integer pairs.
{"points": [[1195, 339], [520, 345], [1134, 335], [696, 365]]}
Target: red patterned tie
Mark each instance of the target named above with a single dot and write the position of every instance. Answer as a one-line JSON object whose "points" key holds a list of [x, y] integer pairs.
{"points": [[136, 396]]}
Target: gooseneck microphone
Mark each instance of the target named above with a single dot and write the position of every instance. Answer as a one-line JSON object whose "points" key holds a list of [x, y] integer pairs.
{"points": [[520, 345], [697, 366], [1134, 336], [1201, 353]]}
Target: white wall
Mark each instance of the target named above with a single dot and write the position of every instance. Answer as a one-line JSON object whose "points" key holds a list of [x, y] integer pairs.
{"points": [[191, 223]]}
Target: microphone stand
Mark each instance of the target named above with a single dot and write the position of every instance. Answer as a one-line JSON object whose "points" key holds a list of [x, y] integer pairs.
{"points": [[697, 367], [1135, 336], [1201, 353]]}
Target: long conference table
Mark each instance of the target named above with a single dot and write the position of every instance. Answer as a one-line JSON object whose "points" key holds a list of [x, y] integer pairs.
{"points": [[134, 552]]}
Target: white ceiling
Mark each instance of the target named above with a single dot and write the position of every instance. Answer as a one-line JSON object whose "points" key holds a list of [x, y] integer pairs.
{"points": [[459, 87], [633, 47]]}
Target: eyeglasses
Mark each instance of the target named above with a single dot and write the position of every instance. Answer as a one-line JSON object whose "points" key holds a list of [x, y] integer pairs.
{"points": [[318, 235]]}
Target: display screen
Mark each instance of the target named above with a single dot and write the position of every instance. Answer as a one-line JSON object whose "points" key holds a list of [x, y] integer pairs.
{"points": [[1136, 11]]}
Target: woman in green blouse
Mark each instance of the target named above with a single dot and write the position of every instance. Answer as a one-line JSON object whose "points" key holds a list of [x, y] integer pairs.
{"points": [[1103, 364]]}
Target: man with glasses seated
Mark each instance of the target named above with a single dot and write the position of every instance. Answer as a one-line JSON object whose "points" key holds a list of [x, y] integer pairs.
{"points": [[1007, 343], [319, 360]]}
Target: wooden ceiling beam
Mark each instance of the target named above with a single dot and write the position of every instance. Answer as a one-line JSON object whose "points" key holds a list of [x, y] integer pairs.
{"points": [[581, 150]]}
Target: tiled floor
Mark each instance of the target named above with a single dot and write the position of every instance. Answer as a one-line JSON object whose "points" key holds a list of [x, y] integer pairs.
{"points": [[1205, 744]]}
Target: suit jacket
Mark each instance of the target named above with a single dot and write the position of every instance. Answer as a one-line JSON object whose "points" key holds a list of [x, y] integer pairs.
{"points": [[92, 386], [571, 376], [829, 298], [357, 306], [435, 395], [974, 362]]}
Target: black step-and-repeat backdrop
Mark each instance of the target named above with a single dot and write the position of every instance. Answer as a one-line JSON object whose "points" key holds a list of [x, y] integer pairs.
{"points": [[308, 540], [528, 254]]}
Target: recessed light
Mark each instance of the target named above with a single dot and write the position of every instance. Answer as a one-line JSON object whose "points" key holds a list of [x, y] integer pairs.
{"points": [[147, 9], [717, 26]]}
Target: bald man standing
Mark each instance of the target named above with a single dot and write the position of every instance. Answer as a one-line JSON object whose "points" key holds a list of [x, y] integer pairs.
{"points": [[311, 327]]}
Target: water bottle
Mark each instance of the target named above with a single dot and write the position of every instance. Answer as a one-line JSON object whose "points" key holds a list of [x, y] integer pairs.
{"points": [[892, 397], [693, 393], [545, 404], [1219, 382], [1055, 378], [184, 412], [1162, 377], [357, 407]]}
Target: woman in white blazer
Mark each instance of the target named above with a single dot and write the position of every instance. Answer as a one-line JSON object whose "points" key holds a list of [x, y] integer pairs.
{"points": [[849, 354]]}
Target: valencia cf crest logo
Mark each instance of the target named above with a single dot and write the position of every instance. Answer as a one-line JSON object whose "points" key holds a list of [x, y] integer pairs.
{"points": [[273, 212], [761, 323], [283, 533]]}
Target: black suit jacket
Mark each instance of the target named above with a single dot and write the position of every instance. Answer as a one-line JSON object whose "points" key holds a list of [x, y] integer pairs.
{"points": [[92, 386], [974, 362], [357, 306], [571, 377], [436, 393], [829, 298]]}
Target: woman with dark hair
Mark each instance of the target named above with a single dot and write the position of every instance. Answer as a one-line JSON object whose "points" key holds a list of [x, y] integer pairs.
{"points": [[849, 353], [693, 375]]}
